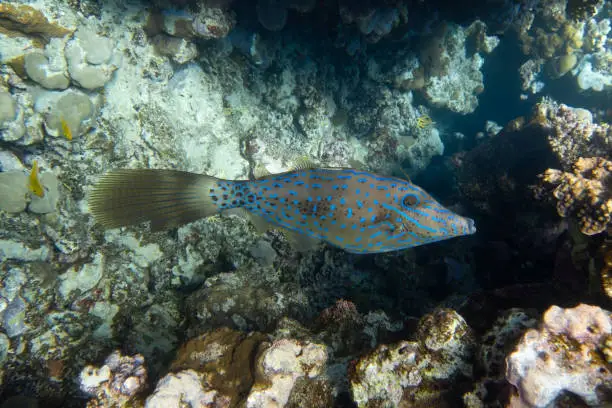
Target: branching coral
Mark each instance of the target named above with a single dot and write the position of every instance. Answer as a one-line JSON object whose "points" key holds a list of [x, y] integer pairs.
{"points": [[584, 194]]}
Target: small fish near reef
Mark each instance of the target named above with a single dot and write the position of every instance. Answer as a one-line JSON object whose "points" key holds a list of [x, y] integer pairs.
{"points": [[358, 211], [424, 121], [34, 184], [66, 131]]}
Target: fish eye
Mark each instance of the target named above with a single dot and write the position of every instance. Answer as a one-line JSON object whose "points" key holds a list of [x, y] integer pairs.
{"points": [[410, 200]]}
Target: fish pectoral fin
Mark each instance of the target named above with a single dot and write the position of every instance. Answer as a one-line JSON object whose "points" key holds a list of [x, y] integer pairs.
{"points": [[259, 222], [301, 242], [260, 171]]}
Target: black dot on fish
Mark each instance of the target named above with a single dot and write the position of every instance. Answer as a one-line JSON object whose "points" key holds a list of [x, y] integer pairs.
{"points": [[233, 202], [212, 190], [250, 198], [225, 196], [214, 198], [238, 194]]}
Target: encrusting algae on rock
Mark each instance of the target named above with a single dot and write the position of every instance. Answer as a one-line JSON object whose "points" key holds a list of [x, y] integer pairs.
{"points": [[357, 211], [24, 20]]}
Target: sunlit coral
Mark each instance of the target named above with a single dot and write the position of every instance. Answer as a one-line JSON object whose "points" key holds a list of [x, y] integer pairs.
{"points": [[585, 194], [563, 355]]}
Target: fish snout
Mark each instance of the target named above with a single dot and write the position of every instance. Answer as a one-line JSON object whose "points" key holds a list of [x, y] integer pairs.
{"points": [[470, 226]]}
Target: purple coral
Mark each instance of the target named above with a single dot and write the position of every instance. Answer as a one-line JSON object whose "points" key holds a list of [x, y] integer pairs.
{"points": [[565, 354]]}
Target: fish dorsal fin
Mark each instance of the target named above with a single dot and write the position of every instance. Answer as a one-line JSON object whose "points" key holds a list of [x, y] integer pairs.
{"points": [[405, 174], [303, 163], [300, 242], [260, 171]]}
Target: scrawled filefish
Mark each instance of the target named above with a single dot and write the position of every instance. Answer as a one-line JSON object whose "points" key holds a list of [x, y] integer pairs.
{"points": [[358, 211]]}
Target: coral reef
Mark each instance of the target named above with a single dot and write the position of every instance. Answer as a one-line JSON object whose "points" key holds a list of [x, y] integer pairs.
{"points": [[207, 23], [568, 37], [13, 191], [373, 22], [272, 14], [572, 132], [22, 19], [454, 79], [394, 374], [72, 110], [606, 269], [564, 354], [48, 74], [226, 316], [229, 368], [584, 194], [90, 59], [116, 383]]}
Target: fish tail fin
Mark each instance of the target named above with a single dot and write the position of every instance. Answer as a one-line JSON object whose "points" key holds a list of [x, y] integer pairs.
{"points": [[166, 198]]}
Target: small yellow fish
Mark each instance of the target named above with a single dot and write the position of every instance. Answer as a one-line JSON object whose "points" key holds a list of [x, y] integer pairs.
{"points": [[424, 121], [34, 182], [66, 131]]}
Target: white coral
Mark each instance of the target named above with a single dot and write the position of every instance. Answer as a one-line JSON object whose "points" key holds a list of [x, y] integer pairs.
{"points": [[561, 356]]}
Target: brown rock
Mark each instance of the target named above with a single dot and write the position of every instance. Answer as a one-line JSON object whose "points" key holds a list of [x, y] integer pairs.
{"points": [[19, 20]]}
